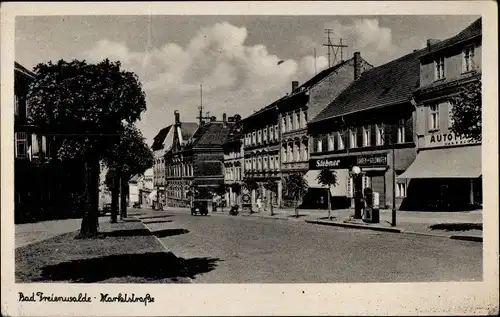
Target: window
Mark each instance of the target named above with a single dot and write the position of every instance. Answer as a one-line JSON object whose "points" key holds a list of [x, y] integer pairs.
{"points": [[297, 151], [276, 162], [303, 122], [271, 162], [264, 136], [341, 142], [283, 124], [283, 153], [304, 152], [265, 163], [366, 136], [434, 117], [450, 114], [16, 105], [401, 131], [439, 63], [259, 137], [319, 144], [254, 139], [352, 138], [21, 145], [401, 190], [276, 133], [289, 123], [330, 142], [380, 134], [468, 61], [259, 163], [271, 133], [296, 123], [254, 163], [290, 153]]}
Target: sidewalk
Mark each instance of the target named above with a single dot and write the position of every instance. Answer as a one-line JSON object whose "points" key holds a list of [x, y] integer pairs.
{"points": [[28, 233]]}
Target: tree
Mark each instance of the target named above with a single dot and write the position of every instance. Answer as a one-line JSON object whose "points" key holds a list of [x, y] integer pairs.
{"points": [[128, 157], [466, 112], [296, 186], [272, 187], [83, 108], [236, 189], [251, 185], [221, 191], [328, 178]]}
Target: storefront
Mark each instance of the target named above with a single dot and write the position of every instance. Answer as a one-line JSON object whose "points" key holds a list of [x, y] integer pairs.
{"points": [[446, 178], [373, 174]]}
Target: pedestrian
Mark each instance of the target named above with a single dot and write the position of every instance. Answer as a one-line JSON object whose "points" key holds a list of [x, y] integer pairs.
{"points": [[259, 204], [214, 203]]}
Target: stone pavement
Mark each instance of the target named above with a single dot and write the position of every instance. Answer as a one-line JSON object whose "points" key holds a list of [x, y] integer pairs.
{"points": [[28, 233]]}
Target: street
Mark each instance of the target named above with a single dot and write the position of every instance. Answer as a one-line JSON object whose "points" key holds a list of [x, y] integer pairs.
{"points": [[253, 250]]}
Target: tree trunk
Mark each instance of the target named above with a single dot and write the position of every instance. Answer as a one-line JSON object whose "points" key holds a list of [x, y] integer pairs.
{"points": [[123, 197], [328, 202], [90, 219], [271, 202], [115, 197], [296, 208]]}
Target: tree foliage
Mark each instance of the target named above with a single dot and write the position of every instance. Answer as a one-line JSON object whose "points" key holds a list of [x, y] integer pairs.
{"points": [[271, 185], [466, 112], [296, 186], [327, 178], [130, 155], [84, 105], [250, 184]]}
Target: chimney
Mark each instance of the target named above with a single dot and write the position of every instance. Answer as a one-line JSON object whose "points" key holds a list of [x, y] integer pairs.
{"points": [[357, 65], [177, 119], [295, 85], [224, 118], [431, 42]]}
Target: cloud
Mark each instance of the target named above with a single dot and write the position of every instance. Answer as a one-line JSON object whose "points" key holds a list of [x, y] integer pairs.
{"points": [[367, 36], [236, 77]]}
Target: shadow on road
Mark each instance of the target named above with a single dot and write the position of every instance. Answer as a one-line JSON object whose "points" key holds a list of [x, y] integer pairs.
{"points": [[145, 232], [153, 217], [147, 266], [457, 226], [158, 221], [169, 232]]}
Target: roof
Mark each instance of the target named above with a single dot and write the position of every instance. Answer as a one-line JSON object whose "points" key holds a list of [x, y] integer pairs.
{"points": [[235, 133], [188, 129], [473, 30], [210, 134], [387, 84], [20, 68], [322, 75], [160, 137]]}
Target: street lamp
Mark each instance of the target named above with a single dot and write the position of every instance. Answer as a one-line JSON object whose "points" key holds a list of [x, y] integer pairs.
{"points": [[356, 171]]}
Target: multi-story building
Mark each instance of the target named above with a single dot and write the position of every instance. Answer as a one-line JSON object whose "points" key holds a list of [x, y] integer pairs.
{"points": [[447, 171], [234, 160], [196, 159], [304, 103], [31, 190], [261, 144], [170, 139], [369, 125]]}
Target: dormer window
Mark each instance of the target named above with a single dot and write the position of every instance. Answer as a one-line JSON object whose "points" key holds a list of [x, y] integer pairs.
{"points": [[468, 59], [439, 67]]}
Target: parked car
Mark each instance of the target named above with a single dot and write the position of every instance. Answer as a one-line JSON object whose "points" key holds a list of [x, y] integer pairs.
{"points": [[200, 206]]}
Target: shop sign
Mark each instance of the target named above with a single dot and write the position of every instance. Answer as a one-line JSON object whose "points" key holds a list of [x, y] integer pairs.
{"points": [[372, 160], [446, 139], [333, 163]]}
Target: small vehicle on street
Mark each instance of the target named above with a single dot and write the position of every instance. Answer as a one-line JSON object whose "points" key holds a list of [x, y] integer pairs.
{"points": [[234, 211], [106, 208], [199, 206]]}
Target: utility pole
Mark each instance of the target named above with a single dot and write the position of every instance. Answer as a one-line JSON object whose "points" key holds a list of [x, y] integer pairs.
{"points": [[333, 48], [200, 108]]}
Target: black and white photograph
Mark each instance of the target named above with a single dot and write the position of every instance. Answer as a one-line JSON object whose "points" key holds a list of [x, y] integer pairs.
{"points": [[149, 151]]}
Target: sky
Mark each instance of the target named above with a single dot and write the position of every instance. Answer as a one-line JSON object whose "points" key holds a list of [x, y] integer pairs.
{"points": [[235, 58]]}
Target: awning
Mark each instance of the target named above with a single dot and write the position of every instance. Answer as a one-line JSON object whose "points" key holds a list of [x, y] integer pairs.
{"points": [[453, 162], [342, 179]]}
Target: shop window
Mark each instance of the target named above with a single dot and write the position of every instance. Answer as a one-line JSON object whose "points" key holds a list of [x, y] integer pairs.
{"points": [[468, 59], [439, 68], [434, 117], [401, 131], [366, 136], [401, 190]]}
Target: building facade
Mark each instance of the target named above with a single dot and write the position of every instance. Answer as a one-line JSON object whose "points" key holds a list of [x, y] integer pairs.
{"points": [[446, 174], [32, 190], [369, 125], [305, 102], [196, 160], [262, 143], [234, 161]]}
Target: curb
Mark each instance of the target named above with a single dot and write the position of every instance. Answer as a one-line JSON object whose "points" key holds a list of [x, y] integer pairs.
{"points": [[356, 226], [188, 279], [467, 238]]}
